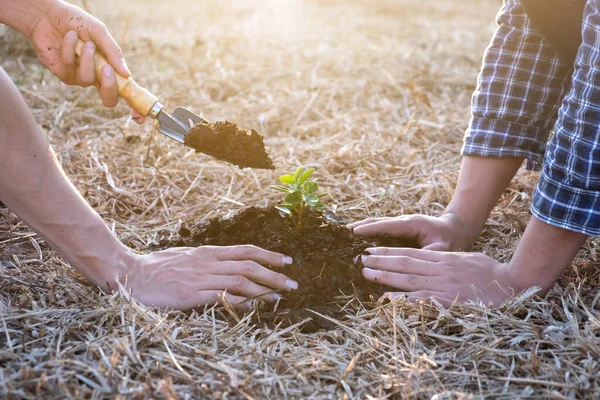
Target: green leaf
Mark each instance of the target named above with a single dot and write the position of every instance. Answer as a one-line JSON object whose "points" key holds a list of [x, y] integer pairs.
{"points": [[321, 195], [311, 187], [310, 199], [319, 206], [287, 179], [280, 188], [294, 197], [283, 209], [298, 173], [305, 176]]}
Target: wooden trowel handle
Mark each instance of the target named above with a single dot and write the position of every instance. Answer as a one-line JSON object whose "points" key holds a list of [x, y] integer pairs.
{"points": [[138, 97]]}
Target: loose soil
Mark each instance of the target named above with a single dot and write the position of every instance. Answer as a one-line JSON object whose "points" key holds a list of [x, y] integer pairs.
{"points": [[224, 140], [323, 265]]}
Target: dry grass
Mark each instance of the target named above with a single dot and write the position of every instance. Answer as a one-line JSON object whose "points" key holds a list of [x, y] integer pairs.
{"points": [[373, 94]]}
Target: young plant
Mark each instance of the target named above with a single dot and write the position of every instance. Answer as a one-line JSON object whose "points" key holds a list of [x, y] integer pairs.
{"points": [[300, 195]]}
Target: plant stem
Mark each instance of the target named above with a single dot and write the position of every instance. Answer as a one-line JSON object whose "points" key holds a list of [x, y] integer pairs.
{"points": [[300, 213]]}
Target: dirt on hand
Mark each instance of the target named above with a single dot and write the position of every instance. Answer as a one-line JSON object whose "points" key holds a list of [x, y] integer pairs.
{"points": [[323, 255], [224, 140]]}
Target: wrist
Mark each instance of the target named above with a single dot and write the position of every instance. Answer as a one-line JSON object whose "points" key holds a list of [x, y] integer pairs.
{"points": [[518, 277], [24, 15], [116, 268], [543, 253], [103, 264], [521, 278], [464, 235]]}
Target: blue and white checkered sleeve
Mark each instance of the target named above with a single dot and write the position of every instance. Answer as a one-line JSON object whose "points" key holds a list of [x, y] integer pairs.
{"points": [[568, 192], [518, 91]]}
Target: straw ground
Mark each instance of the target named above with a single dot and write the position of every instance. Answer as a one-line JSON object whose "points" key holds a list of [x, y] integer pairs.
{"points": [[375, 95]]}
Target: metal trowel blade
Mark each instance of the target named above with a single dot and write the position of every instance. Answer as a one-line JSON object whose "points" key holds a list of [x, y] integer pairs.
{"points": [[178, 124]]}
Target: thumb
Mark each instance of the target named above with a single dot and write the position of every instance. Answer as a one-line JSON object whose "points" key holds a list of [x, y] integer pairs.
{"points": [[438, 246], [409, 228]]}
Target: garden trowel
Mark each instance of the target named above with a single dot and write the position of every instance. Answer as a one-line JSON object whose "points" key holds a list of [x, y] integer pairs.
{"points": [[232, 145]]}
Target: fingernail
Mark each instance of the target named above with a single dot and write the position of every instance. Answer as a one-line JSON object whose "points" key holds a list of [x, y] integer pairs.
{"points": [[369, 273], [290, 284], [355, 259], [363, 259], [124, 64], [89, 45], [276, 296], [287, 260], [108, 71]]}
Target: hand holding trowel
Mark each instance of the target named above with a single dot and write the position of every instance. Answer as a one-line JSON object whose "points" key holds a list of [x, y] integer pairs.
{"points": [[222, 140]]}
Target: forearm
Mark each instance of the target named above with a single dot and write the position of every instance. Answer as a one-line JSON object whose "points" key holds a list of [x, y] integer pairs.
{"points": [[542, 255], [35, 188], [481, 182], [22, 15], [508, 124]]}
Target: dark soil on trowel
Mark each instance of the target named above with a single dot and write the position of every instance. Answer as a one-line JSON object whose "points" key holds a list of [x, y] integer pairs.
{"points": [[225, 141], [323, 264]]}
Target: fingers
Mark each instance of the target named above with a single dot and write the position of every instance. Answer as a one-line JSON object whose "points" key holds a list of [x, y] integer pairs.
{"points": [[136, 116], [68, 67], [259, 274], [402, 281], [86, 75], [407, 228], [402, 264], [365, 222], [108, 87], [438, 246], [239, 285], [418, 254], [107, 45], [250, 252]]}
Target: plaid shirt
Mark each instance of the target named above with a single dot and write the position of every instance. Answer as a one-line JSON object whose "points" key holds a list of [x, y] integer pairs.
{"points": [[524, 92]]}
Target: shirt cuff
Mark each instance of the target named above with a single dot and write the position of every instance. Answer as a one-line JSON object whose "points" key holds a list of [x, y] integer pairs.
{"points": [[566, 206], [489, 137]]}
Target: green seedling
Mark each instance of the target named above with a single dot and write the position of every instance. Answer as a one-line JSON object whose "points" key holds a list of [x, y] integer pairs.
{"points": [[300, 195]]}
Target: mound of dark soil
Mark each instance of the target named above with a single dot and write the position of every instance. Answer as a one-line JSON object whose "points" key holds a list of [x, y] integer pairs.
{"points": [[323, 257], [224, 140]]}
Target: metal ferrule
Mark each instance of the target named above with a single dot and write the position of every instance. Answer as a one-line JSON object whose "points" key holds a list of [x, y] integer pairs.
{"points": [[155, 110]]}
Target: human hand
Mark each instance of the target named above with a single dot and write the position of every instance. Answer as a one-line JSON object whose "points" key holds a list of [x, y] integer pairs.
{"points": [[187, 277], [445, 233], [54, 36], [447, 277]]}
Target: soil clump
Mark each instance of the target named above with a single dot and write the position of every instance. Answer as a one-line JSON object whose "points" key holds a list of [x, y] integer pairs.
{"points": [[225, 140], [324, 261]]}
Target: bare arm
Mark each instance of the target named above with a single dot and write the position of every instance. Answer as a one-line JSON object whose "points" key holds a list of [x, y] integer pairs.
{"points": [[543, 254], [481, 182], [32, 182], [33, 185]]}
